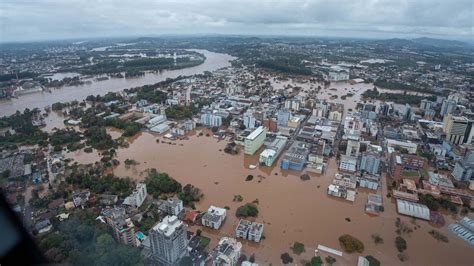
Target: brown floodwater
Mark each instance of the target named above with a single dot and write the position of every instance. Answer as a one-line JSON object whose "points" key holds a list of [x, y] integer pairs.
{"points": [[213, 62], [291, 209]]}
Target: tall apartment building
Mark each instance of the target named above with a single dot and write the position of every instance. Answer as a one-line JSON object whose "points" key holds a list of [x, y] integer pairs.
{"points": [[458, 129], [283, 117], [169, 241], [370, 162], [447, 107], [211, 120], [255, 140], [122, 226], [138, 196], [292, 104], [249, 120], [172, 206], [353, 147]]}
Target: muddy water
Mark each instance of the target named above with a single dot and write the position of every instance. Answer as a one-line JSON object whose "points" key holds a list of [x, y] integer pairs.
{"points": [[292, 210], [213, 62]]}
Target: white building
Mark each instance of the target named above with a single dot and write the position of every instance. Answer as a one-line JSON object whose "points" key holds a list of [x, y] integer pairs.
{"points": [[249, 230], [138, 196], [227, 252], [249, 120], [255, 140], [348, 163], [169, 241], [211, 120], [214, 217], [172, 206]]}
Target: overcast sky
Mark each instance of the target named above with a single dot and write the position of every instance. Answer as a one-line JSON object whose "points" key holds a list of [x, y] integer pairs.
{"points": [[22, 20]]}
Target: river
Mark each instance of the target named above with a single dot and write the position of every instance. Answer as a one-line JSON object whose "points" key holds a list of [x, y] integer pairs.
{"points": [[213, 62]]}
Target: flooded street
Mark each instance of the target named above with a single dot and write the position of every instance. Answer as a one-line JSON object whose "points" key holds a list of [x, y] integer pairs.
{"points": [[291, 209], [213, 62]]}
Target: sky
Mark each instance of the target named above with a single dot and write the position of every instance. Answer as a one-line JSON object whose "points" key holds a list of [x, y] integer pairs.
{"points": [[22, 20]]}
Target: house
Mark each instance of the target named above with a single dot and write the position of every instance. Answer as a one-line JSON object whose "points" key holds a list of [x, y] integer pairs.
{"points": [[214, 217], [80, 198], [108, 200], [43, 226]]}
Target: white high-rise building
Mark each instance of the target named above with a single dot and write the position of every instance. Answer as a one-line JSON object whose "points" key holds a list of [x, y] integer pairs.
{"points": [[211, 120], [169, 241], [448, 107], [138, 196], [249, 120]]}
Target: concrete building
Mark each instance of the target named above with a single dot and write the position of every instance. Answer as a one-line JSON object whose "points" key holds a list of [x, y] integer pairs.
{"points": [[249, 230], [249, 120], [409, 146], [214, 217], [138, 196], [338, 74], [169, 241], [172, 206], [227, 252], [272, 151], [122, 226], [458, 129], [292, 104], [406, 166], [463, 171], [353, 147], [426, 104], [211, 120], [295, 158], [255, 140], [348, 163], [413, 209], [283, 117], [447, 107], [370, 162]]}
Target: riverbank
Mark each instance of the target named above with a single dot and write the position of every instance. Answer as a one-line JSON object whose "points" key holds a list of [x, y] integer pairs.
{"points": [[213, 62]]}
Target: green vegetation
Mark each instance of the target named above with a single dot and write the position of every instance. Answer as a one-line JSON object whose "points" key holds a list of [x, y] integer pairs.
{"points": [[401, 98], [158, 183], [315, 261], [101, 185], [305, 177], [438, 236], [231, 148], [247, 210], [68, 137], [130, 162], [180, 112], [351, 244], [330, 260], [286, 258], [190, 194], [238, 198], [435, 204], [98, 138], [25, 133], [287, 66], [204, 241], [129, 128], [377, 239], [298, 248], [84, 241], [400, 243]]}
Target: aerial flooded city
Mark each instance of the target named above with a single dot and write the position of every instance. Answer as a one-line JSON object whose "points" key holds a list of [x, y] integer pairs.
{"points": [[237, 150]]}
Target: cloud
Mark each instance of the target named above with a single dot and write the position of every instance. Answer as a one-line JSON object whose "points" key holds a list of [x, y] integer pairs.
{"points": [[54, 19]]}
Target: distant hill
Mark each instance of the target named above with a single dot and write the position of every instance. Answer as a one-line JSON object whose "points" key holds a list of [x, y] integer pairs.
{"points": [[440, 42]]}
